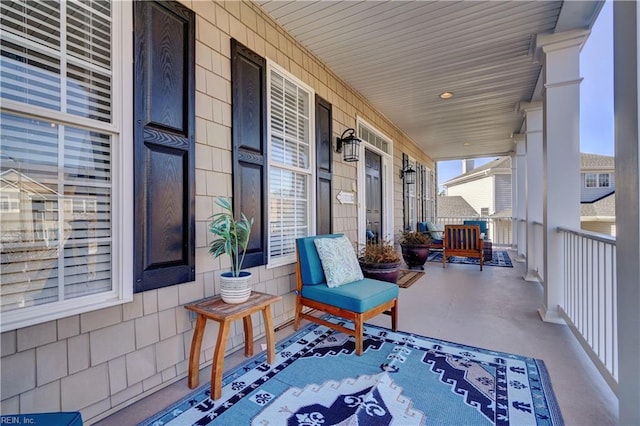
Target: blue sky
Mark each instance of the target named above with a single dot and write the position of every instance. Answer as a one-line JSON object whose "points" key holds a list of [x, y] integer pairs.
{"points": [[596, 95]]}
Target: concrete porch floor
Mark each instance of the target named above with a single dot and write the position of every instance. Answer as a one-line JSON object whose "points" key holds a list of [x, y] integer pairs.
{"points": [[494, 309]]}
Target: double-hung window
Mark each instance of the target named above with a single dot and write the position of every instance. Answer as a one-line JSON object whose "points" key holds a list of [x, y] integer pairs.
{"points": [[65, 158], [597, 180], [291, 164]]}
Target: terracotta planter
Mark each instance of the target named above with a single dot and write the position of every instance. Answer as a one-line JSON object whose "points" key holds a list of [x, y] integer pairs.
{"points": [[381, 271], [415, 255], [235, 289]]}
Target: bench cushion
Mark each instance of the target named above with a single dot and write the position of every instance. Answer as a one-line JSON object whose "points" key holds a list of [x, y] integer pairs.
{"points": [[358, 296]]}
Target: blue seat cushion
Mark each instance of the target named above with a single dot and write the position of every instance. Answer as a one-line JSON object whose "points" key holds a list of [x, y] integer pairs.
{"points": [[358, 296], [310, 265], [481, 223]]}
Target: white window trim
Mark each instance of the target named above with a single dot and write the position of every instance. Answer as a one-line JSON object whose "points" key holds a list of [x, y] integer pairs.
{"points": [[311, 217], [387, 185], [597, 175], [121, 130]]}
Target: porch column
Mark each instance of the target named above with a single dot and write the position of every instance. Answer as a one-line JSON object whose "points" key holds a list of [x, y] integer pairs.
{"points": [[560, 56], [521, 195], [533, 125], [626, 92], [514, 203]]}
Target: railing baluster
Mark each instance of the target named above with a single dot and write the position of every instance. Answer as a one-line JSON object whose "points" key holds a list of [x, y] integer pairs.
{"points": [[590, 297]]}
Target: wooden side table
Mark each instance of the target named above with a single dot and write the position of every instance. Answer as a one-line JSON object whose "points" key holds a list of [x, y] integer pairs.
{"points": [[215, 309]]}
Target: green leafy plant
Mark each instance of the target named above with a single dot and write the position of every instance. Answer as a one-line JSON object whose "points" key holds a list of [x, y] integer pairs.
{"points": [[414, 238], [380, 252], [233, 235]]}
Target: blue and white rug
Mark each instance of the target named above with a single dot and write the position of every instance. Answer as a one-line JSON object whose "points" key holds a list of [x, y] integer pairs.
{"points": [[498, 258], [402, 379]]}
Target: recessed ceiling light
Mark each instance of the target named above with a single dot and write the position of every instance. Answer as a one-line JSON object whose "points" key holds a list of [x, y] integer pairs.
{"points": [[466, 144], [446, 95]]}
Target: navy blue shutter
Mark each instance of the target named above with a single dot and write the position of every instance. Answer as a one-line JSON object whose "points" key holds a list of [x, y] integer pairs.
{"points": [[324, 161], [249, 131], [164, 144]]}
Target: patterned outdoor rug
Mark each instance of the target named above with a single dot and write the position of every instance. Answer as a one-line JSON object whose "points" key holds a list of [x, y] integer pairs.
{"points": [[407, 278], [499, 258], [401, 379]]}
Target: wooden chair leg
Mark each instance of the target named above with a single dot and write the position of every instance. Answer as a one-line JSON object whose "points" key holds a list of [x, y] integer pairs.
{"points": [[296, 321], [359, 331], [394, 316]]}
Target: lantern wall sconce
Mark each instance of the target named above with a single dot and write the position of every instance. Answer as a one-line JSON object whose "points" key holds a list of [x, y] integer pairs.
{"points": [[349, 145], [409, 175]]}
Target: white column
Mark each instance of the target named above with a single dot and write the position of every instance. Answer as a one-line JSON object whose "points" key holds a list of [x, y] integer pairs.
{"points": [[521, 196], [626, 33], [560, 55], [533, 133], [514, 203]]}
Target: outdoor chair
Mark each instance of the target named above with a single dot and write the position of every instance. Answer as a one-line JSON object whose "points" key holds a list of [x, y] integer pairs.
{"points": [[462, 240], [357, 301], [484, 234]]}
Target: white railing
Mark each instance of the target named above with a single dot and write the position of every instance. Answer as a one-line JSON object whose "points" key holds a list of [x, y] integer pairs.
{"points": [[590, 297], [499, 228]]}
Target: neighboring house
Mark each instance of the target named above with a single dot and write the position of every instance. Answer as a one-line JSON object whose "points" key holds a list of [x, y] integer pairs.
{"points": [[597, 193], [455, 206], [488, 190]]}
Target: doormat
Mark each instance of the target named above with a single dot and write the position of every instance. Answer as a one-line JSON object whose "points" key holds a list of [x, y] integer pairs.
{"points": [[407, 278], [498, 258]]}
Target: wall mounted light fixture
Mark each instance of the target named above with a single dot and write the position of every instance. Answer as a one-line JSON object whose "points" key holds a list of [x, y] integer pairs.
{"points": [[409, 175], [349, 145]]}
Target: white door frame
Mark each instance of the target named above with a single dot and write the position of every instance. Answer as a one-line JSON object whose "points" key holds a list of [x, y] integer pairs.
{"points": [[387, 186]]}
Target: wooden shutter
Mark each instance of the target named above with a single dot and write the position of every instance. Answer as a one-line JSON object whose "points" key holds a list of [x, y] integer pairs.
{"points": [[405, 194], [249, 110], [324, 161], [164, 144]]}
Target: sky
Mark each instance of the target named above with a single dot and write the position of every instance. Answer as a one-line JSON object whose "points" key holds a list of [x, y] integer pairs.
{"points": [[596, 96]]}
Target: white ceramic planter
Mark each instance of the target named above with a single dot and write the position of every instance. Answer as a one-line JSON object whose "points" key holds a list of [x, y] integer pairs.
{"points": [[235, 289]]}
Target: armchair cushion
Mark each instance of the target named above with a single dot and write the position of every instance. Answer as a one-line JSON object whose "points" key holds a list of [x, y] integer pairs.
{"points": [[481, 223], [339, 261], [310, 265], [436, 230], [358, 296]]}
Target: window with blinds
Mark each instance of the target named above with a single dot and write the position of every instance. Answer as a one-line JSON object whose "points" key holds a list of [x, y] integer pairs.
{"points": [[57, 144], [290, 171]]}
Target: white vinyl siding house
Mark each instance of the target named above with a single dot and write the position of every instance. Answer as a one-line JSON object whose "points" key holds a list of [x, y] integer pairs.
{"points": [[490, 186], [485, 187], [503, 192], [478, 193], [591, 185]]}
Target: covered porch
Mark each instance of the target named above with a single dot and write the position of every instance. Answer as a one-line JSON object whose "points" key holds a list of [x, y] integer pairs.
{"points": [[513, 71]]}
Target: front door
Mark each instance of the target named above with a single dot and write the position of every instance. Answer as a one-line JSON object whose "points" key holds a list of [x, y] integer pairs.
{"points": [[373, 195]]}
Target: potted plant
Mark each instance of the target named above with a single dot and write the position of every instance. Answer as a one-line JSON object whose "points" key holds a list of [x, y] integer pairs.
{"points": [[415, 248], [380, 261], [232, 240]]}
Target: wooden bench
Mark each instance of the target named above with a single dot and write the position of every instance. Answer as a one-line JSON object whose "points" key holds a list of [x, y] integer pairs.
{"points": [[462, 240], [357, 301]]}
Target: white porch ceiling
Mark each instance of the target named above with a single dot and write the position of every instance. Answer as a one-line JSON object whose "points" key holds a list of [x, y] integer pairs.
{"points": [[401, 55]]}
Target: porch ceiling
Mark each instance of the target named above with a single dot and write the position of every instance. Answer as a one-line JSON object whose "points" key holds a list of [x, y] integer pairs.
{"points": [[401, 55]]}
